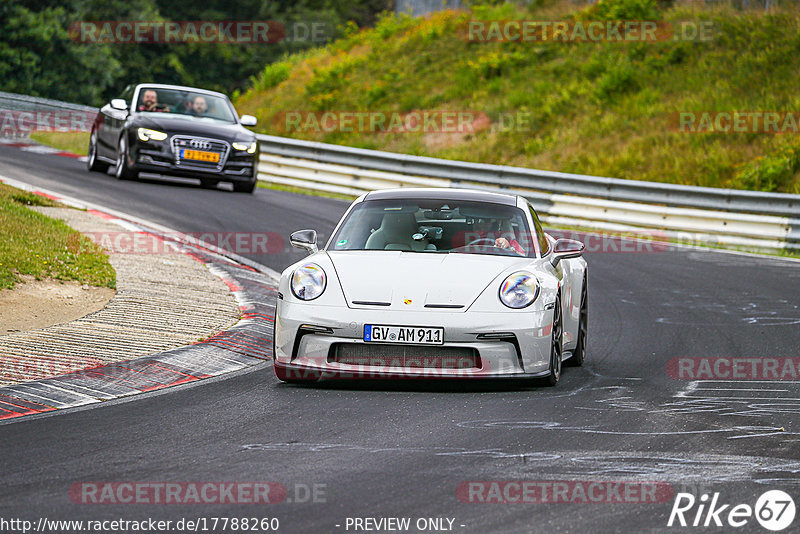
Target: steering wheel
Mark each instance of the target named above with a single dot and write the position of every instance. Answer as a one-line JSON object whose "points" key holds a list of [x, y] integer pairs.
{"points": [[481, 240]]}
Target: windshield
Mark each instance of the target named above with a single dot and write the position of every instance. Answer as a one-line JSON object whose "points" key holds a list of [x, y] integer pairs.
{"points": [[185, 104], [435, 226]]}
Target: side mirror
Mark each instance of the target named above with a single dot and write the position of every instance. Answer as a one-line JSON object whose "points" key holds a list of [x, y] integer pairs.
{"points": [[566, 248], [248, 120], [120, 104], [305, 239]]}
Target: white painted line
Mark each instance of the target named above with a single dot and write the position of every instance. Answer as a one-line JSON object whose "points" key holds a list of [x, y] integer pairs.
{"points": [[776, 433], [95, 392], [77, 393], [25, 395], [40, 149], [127, 225], [743, 398], [740, 382], [743, 389]]}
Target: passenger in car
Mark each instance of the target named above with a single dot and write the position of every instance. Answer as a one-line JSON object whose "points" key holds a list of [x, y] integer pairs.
{"points": [[199, 106]]}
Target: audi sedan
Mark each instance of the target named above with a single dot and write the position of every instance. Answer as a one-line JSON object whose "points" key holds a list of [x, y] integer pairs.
{"points": [[176, 131], [439, 283]]}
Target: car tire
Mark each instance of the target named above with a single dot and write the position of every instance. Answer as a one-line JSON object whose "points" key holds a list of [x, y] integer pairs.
{"points": [[123, 170], [556, 347], [579, 354], [92, 163], [244, 187]]}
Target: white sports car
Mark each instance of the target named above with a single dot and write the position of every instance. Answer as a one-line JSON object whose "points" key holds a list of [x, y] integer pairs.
{"points": [[424, 283]]}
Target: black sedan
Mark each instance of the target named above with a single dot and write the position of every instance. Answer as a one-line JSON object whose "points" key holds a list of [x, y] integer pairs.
{"points": [[176, 131]]}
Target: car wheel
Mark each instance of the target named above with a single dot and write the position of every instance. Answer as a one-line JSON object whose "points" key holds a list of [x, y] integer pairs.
{"points": [[579, 354], [244, 187], [556, 347], [123, 170], [93, 164]]}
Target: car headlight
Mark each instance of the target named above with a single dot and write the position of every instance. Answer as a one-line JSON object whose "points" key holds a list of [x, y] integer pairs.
{"points": [[146, 134], [519, 290], [250, 147], [308, 281]]}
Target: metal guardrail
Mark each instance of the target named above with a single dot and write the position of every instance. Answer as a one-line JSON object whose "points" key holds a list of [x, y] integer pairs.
{"points": [[727, 217], [20, 115], [13, 101]]}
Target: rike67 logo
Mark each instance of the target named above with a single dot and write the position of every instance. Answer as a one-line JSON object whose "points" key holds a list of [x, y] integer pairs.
{"points": [[774, 510]]}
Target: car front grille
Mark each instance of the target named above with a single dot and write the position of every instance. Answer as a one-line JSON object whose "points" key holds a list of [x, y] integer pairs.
{"points": [[409, 356], [201, 144]]}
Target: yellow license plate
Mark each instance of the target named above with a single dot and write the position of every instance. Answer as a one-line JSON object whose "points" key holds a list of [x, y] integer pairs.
{"points": [[199, 155]]}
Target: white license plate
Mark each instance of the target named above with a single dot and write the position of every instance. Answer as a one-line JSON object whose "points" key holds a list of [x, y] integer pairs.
{"points": [[410, 335]]}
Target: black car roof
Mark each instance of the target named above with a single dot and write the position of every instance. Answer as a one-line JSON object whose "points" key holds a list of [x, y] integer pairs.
{"points": [[442, 194]]}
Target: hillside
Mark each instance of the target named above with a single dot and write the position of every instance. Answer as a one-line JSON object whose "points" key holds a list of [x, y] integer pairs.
{"points": [[604, 107]]}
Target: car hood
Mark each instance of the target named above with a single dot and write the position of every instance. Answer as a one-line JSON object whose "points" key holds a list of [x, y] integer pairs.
{"points": [[174, 125], [429, 281]]}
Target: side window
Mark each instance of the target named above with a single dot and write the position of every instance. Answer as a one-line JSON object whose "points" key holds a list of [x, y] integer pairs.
{"points": [[544, 245]]}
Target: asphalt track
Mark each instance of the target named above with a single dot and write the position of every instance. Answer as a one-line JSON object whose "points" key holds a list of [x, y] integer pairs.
{"points": [[403, 449]]}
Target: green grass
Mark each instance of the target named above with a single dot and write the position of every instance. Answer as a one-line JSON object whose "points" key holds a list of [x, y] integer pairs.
{"points": [[594, 108], [39, 246], [75, 142]]}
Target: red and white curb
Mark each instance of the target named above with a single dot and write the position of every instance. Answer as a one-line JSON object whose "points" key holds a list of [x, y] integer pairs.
{"points": [[29, 146], [247, 343]]}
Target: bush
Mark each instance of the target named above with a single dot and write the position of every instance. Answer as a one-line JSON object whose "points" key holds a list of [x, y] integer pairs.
{"points": [[619, 78], [624, 10], [774, 172], [272, 75]]}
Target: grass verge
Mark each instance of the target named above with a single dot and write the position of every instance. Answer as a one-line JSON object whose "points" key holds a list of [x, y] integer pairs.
{"points": [[75, 142], [40, 246]]}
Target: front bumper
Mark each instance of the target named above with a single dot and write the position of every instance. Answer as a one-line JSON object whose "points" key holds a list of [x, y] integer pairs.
{"points": [[158, 157], [303, 351]]}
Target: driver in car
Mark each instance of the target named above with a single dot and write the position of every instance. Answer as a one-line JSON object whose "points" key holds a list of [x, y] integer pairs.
{"points": [[150, 102], [489, 228]]}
